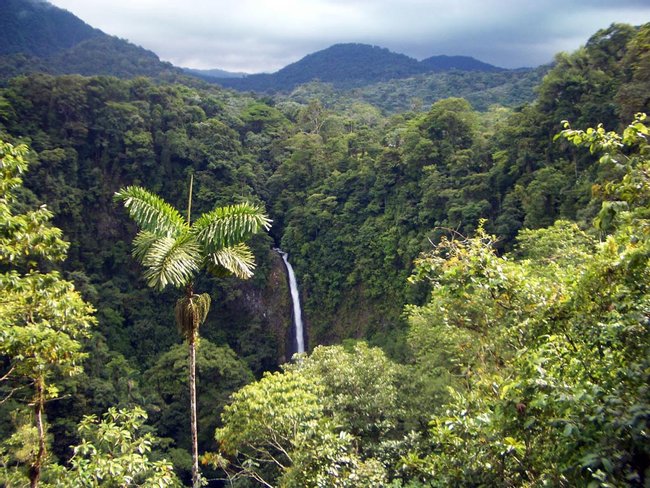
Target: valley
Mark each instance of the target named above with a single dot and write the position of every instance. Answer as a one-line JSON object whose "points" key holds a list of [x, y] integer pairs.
{"points": [[472, 266]]}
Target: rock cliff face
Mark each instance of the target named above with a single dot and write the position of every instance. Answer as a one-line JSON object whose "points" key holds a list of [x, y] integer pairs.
{"points": [[272, 305]]}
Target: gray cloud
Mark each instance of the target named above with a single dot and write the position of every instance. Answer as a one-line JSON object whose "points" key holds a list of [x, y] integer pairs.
{"points": [[259, 35]]}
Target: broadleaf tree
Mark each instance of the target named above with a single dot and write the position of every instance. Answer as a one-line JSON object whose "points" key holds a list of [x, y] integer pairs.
{"points": [[549, 348], [113, 451], [42, 317]]}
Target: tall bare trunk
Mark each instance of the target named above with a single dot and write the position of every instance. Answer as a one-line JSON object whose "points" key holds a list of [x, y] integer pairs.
{"points": [[196, 476], [35, 468]]}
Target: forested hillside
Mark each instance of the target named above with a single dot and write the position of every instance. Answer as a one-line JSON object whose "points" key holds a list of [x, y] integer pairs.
{"points": [[474, 285], [39, 28], [38, 37], [352, 66], [482, 90]]}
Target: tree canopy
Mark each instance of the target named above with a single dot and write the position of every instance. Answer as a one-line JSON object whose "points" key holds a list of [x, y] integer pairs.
{"points": [[473, 276]]}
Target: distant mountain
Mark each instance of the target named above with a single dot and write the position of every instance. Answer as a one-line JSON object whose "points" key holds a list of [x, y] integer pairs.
{"points": [[349, 63], [38, 28], [36, 36], [460, 63], [352, 65], [214, 73]]}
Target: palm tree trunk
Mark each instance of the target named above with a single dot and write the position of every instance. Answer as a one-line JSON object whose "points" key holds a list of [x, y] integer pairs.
{"points": [[196, 476], [191, 335], [35, 468]]}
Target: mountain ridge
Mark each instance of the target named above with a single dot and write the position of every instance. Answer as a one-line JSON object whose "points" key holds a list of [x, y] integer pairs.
{"points": [[38, 28], [37, 36], [349, 65]]}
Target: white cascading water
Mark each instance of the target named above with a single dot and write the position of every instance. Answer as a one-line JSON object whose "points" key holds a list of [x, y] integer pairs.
{"points": [[295, 299]]}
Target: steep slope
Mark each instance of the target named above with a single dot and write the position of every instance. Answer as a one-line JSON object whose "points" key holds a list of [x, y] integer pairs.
{"points": [[38, 28], [36, 36], [109, 55]]}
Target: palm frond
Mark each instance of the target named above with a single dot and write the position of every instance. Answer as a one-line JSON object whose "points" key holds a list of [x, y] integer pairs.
{"points": [[142, 244], [237, 259], [226, 226], [171, 261], [151, 212]]}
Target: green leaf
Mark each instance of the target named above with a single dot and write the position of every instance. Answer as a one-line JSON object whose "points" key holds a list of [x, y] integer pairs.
{"points": [[237, 259], [226, 226], [151, 212], [171, 261]]}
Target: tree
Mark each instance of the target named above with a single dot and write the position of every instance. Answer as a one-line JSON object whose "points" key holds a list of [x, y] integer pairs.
{"points": [[113, 453], [277, 432], [550, 347], [42, 317], [362, 391], [335, 418], [265, 424], [221, 373], [173, 250]]}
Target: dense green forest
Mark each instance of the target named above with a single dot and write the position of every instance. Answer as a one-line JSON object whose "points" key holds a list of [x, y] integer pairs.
{"points": [[415, 94], [38, 37], [474, 280]]}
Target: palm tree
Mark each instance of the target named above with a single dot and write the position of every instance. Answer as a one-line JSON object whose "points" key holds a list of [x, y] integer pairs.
{"points": [[173, 250]]}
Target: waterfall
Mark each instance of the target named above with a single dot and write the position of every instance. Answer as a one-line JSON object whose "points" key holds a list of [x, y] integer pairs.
{"points": [[295, 299]]}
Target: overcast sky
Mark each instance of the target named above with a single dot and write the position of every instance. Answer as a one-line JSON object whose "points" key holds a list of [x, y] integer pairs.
{"points": [[265, 35]]}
